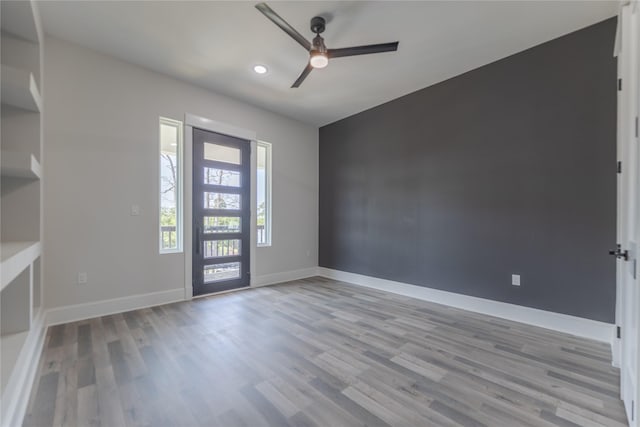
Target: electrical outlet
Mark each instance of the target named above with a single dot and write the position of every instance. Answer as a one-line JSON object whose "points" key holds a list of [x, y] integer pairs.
{"points": [[515, 279], [135, 210], [82, 278]]}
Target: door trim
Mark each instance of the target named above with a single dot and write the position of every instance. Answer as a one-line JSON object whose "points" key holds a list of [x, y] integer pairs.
{"points": [[191, 121], [219, 127]]}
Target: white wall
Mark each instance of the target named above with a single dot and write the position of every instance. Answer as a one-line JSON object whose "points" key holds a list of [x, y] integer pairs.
{"points": [[101, 157]]}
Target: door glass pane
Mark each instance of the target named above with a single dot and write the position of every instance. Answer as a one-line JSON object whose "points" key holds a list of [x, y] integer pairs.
{"points": [[224, 177], [221, 201], [222, 224], [217, 272], [220, 248], [221, 153]]}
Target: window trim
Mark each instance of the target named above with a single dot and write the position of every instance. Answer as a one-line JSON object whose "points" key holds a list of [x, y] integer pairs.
{"points": [[267, 194], [179, 185]]}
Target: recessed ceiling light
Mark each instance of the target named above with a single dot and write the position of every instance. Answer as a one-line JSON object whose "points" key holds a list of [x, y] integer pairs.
{"points": [[260, 69]]}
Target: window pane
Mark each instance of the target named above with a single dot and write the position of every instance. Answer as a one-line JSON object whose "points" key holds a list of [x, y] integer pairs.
{"points": [[219, 248], [170, 185], [221, 153], [224, 177], [168, 237], [263, 194], [221, 201], [217, 272], [222, 224]]}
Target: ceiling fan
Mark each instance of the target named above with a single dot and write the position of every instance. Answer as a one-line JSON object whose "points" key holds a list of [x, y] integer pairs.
{"points": [[319, 55]]}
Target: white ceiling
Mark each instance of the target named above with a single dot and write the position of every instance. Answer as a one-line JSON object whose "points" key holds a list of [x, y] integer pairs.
{"points": [[216, 44]]}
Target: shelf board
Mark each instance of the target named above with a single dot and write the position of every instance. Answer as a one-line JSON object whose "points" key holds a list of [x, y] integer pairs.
{"points": [[16, 256], [19, 89], [14, 164], [21, 18]]}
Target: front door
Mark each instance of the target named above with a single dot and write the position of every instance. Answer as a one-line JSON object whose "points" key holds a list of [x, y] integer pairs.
{"points": [[221, 212], [628, 209]]}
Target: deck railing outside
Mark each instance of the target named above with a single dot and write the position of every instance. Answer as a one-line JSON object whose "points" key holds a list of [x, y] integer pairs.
{"points": [[169, 235]]}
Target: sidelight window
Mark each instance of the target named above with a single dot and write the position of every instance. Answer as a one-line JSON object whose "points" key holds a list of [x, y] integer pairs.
{"points": [[170, 185], [264, 194]]}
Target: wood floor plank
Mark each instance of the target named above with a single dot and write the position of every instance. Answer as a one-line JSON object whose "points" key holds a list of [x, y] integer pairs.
{"points": [[67, 394], [88, 409], [316, 352]]}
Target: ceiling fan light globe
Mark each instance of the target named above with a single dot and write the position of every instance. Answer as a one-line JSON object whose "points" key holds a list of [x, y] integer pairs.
{"points": [[319, 60]]}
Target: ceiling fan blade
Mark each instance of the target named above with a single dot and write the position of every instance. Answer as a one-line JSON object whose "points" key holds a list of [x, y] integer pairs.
{"points": [[277, 19], [303, 76], [362, 50]]}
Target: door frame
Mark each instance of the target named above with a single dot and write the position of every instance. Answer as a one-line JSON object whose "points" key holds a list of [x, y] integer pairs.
{"points": [[193, 121]]}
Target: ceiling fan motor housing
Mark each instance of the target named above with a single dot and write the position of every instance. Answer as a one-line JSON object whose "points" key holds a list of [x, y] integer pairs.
{"points": [[318, 45], [317, 24]]}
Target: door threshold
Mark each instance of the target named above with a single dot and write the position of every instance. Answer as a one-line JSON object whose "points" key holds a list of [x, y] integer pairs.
{"points": [[244, 288]]}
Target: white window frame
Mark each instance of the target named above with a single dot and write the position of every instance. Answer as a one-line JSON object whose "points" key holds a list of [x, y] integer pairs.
{"points": [[179, 185], [267, 195]]}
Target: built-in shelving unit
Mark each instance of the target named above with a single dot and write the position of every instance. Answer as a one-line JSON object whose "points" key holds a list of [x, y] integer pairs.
{"points": [[19, 165], [21, 176], [19, 89], [17, 257], [11, 344], [22, 21]]}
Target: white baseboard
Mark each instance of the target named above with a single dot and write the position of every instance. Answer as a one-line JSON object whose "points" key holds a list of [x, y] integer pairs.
{"points": [[616, 351], [72, 313], [18, 388], [285, 276], [586, 328]]}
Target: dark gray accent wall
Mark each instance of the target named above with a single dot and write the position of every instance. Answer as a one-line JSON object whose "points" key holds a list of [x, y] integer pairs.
{"points": [[507, 169]]}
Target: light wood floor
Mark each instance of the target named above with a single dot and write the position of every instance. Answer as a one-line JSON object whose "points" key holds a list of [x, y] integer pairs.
{"points": [[319, 353]]}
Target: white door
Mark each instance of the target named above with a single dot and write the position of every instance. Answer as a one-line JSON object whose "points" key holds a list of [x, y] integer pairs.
{"points": [[628, 211]]}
